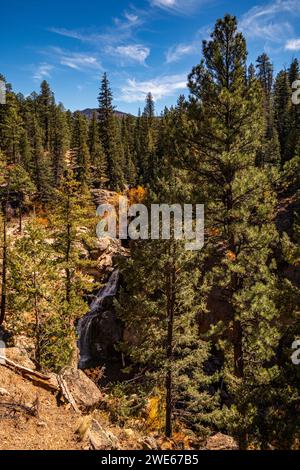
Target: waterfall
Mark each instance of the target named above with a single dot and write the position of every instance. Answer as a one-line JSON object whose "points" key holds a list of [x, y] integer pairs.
{"points": [[98, 320]]}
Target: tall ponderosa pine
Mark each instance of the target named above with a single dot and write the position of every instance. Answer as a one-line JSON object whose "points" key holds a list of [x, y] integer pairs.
{"points": [[240, 206], [158, 305]]}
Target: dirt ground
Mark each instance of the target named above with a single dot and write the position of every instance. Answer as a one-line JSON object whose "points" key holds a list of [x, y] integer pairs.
{"points": [[54, 428]]}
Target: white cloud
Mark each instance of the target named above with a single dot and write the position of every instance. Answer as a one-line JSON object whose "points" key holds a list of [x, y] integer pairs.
{"points": [[179, 6], [73, 60], [164, 3], [175, 53], [122, 30], [80, 61], [270, 21], [43, 71], [132, 18], [69, 33], [160, 87], [293, 45], [135, 52]]}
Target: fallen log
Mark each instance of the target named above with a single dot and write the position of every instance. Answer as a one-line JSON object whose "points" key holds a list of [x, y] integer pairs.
{"points": [[42, 380], [19, 408], [37, 378]]}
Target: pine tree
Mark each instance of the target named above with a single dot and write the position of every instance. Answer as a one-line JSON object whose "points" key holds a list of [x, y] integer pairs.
{"points": [[282, 109], [98, 158], [11, 129], [59, 143], [270, 150], [34, 298], [45, 103], [148, 141], [41, 163], [80, 150], [70, 221], [21, 188], [110, 136], [128, 145], [158, 305], [240, 204], [25, 151]]}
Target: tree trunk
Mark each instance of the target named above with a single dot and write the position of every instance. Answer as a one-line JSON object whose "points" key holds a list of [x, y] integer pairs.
{"points": [[20, 216], [238, 349], [169, 378]]}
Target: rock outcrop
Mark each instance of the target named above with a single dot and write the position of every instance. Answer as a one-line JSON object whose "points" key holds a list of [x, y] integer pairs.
{"points": [[86, 394]]}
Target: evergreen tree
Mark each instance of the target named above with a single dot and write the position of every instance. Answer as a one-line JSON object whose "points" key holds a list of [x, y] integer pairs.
{"points": [[110, 136], [158, 305], [41, 165], [98, 158], [11, 129], [282, 109], [240, 204], [128, 145], [45, 103], [35, 298], [71, 220], [270, 149], [148, 141], [21, 188], [80, 150], [59, 142]]}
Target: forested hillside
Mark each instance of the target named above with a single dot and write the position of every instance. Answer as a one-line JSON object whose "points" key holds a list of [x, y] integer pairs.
{"points": [[209, 333]]}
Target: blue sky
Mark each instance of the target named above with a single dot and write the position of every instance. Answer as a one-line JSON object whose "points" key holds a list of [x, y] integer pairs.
{"points": [[144, 45]]}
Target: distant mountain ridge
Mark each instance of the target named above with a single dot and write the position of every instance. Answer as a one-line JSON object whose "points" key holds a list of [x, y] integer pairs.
{"points": [[88, 113]]}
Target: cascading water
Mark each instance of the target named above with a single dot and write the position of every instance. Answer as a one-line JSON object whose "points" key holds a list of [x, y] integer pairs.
{"points": [[99, 329]]}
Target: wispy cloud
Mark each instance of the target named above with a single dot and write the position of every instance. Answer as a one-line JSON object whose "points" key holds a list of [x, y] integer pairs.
{"points": [[42, 71], [131, 17], [79, 61], [179, 6], [164, 3], [131, 53], [160, 87], [293, 45], [121, 30], [175, 53], [178, 51], [271, 21]]}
